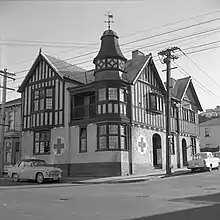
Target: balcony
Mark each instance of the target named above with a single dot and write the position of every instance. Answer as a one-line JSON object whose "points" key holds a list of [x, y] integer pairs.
{"points": [[83, 112]]}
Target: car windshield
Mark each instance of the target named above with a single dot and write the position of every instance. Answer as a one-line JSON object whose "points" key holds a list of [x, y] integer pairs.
{"points": [[199, 156], [38, 163]]}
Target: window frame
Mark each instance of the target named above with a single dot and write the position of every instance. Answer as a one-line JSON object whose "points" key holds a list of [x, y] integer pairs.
{"points": [[107, 136], [172, 145], [47, 143], [80, 138]]}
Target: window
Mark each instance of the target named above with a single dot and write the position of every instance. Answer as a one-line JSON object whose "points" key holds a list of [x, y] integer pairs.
{"points": [[172, 145], [102, 94], [185, 114], [207, 132], [42, 142], [193, 145], [112, 136], [156, 102], [43, 99], [112, 93], [82, 140], [192, 117], [11, 120]]}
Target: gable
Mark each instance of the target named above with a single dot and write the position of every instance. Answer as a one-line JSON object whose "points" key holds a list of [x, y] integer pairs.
{"points": [[150, 75]]}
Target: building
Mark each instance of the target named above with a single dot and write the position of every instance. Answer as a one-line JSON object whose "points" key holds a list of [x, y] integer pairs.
{"points": [[209, 135], [209, 113], [107, 121], [12, 131]]}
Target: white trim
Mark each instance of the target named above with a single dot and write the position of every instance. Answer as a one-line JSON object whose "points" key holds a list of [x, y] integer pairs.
{"points": [[135, 79], [185, 89]]}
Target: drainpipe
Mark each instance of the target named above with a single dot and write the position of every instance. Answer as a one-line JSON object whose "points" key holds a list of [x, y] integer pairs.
{"points": [[130, 130], [178, 135]]}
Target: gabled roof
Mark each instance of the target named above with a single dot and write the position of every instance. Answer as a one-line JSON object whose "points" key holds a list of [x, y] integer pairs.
{"points": [[180, 88], [212, 122], [64, 69], [135, 70]]}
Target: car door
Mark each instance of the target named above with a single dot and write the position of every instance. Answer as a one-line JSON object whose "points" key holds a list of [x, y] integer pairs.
{"points": [[24, 169]]}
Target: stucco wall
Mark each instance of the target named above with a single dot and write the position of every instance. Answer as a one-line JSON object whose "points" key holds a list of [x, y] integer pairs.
{"points": [[143, 161], [213, 139]]}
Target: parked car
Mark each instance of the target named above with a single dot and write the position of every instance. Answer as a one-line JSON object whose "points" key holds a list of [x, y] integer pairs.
{"points": [[216, 154], [34, 169], [6, 166], [203, 161]]}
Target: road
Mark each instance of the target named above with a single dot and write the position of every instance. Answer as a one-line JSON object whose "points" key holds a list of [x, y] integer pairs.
{"points": [[193, 196]]}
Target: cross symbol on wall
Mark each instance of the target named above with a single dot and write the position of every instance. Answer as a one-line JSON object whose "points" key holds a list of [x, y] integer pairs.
{"points": [[58, 146], [142, 144]]}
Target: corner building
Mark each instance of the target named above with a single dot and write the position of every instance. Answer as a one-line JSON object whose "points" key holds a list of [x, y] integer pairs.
{"points": [[107, 121]]}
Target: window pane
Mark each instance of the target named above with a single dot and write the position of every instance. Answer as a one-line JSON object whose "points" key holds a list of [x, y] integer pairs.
{"points": [[36, 94], [49, 92], [83, 144], [36, 105], [112, 93], [115, 108], [113, 129], [123, 143], [109, 107], [49, 103], [82, 132], [41, 104], [103, 108], [36, 147], [37, 135], [122, 127], [99, 109], [122, 95], [41, 147], [102, 129], [102, 94], [102, 142], [113, 142], [42, 93]]}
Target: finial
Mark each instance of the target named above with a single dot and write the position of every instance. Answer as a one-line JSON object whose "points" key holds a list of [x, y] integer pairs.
{"points": [[40, 50], [109, 21]]}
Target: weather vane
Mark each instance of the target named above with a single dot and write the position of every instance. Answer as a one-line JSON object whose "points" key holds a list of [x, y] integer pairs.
{"points": [[109, 21]]}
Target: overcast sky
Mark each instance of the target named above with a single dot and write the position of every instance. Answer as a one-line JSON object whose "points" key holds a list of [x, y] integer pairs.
{"points": [[69, 28]]}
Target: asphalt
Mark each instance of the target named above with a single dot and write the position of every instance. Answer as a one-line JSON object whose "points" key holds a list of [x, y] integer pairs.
{"points": [[69, 181]]}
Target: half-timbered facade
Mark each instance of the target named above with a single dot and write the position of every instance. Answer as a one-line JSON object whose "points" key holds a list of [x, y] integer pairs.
{"points": [[12, 149], [107, 121]]}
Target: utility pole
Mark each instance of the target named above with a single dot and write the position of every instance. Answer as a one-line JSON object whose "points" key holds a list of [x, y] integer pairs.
{"points": [[168, 55], [5, 75]]}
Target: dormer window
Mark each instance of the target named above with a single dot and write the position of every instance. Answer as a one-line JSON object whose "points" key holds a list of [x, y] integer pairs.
{"points": [[156, 102]]}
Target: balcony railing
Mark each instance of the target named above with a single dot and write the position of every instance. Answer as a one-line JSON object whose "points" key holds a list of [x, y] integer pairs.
{"points": [[84, 111]]}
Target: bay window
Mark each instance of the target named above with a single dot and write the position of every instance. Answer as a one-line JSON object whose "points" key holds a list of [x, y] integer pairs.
{"points": [[112, 137]]}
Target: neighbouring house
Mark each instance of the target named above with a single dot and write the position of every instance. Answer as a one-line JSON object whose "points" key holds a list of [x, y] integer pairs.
{"points": [[209, 135], [209, 113], [107, 121], [12, 133]]}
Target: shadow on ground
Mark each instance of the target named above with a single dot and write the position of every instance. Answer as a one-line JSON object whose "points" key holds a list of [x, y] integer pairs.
{"points": [[209, 211]]}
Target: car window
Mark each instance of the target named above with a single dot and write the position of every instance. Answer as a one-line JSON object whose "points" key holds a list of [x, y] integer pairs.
{"points": [[39, 163], [25, 164], [199, 156]]}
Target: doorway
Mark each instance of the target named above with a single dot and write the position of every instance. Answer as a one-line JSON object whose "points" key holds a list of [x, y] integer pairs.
{"points": [[184, 152], [157, 151]]}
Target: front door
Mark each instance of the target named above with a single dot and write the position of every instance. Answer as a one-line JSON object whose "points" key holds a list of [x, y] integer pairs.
{"points": [[184, 152], [157, 152]]}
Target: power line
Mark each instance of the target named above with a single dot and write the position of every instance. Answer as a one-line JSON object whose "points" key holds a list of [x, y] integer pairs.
{"points": [[173, 23], [157, 27], [181, 69], [200, 68], [93, 52]]}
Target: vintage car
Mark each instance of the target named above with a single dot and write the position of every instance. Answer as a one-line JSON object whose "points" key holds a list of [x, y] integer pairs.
{"points": [[203, 161], [34, 169], [216, 154]]}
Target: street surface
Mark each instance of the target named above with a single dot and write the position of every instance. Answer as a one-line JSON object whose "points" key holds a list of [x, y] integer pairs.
{"points": [[192, 196]]}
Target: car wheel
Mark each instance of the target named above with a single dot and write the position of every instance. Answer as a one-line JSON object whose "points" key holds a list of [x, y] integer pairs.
{"points": [[39, 178], [15, 177], [193, 170]]}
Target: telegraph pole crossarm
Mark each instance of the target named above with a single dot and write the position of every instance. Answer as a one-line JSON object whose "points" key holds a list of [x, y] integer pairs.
{"points": [[168, 55], [6, 75]]}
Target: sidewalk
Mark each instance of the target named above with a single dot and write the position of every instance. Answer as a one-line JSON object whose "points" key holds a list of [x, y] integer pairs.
{"points": [[127, 179]]}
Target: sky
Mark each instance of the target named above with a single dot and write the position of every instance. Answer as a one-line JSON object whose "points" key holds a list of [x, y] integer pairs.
{"points": [[70, 29]]}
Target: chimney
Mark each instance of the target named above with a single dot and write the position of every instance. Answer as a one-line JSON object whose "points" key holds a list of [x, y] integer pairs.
{"points": [[135, 56]]}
